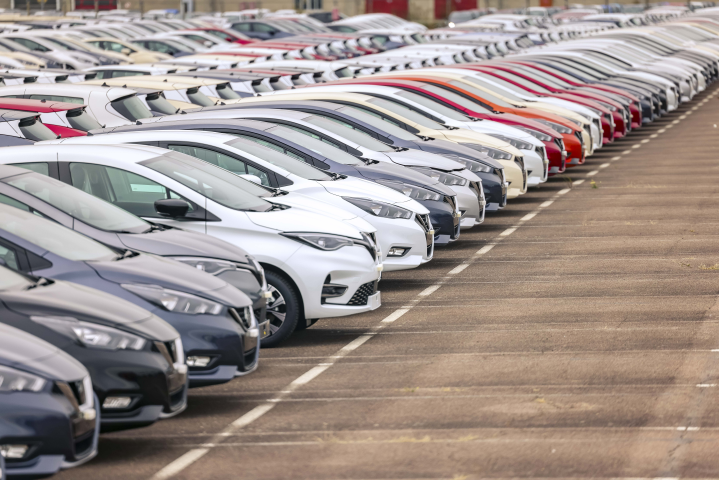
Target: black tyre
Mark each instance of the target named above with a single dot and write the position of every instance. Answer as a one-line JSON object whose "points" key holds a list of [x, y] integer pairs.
{"points": [[283, 309], [304, 324]]}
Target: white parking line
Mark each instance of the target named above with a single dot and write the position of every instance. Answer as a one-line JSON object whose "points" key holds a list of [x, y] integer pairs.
{"points": [[548, 202], [578, 182], [429, 290], [527, 217], [592, 173], [458, 269], [396, 314], [616, 158], [604, 165], [626, 152], [508, 231], [562, 192], [637, 145], [485, 249], [646, 140]]}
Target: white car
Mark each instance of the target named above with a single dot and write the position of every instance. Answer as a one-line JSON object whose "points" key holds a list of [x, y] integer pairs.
{"points": [[69, 59], [404, 243], [453, 174], [316, 266], [110, 106]]}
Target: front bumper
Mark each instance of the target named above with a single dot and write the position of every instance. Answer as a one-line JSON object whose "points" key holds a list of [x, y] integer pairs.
{"points": [[401, 233], [537, 168]]}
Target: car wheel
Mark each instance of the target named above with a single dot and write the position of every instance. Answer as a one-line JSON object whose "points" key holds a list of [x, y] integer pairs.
{"points": [[303, 324], [283, 309]]}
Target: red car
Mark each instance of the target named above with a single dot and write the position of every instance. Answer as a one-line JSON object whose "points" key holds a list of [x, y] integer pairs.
{"points": [[64, 119], [226, 35]]}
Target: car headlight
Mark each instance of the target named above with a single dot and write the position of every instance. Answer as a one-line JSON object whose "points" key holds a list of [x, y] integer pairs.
{"points": [[92, 335], [576, 122], [492, 152], [12, 380], [174, 301], [554, 126], [514, 142], [379, 209], [442, 177], [472, 165], [412, 191], [536, 134], [320, 241], [209, 265]]}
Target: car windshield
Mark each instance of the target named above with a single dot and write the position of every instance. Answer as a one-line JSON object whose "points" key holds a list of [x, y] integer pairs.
{"points": [[215, 183], [78, 204], [407, 113], [11, 280], [52, 236], [78, 118], [55, 44], [314, 143], [131, 108], [376, 121], [297, 167], [464, 85], [346, 131], [433, 105]]}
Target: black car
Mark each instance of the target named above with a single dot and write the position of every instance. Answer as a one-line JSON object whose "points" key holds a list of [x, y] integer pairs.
{"points": [[327, 156], [48, 420], [265, 29], [135, 359], [120, 229], [365, 119], [215, 320]]}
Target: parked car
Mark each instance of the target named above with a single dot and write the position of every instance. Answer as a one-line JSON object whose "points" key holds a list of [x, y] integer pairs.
{"points": [[48, 419]]}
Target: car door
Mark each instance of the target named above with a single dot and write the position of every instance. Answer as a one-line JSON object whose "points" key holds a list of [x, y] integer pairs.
{"points": [[234, 164], [132, 192]]}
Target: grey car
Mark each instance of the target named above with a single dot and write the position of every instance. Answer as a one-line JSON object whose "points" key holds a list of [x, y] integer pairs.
{"points": [[120, 229], [215, 320]]}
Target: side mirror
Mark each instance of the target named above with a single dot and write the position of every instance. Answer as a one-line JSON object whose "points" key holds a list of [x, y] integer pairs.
{"points": [[172, 207], [126, 51], [252, 178], [3, 263]]}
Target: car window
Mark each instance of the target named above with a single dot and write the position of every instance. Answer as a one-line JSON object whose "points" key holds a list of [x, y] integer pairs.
{"points": [[217, 184], [456, 98], [27, 43], [315, 143], [10, 258], [53, 237], [384, 125], [522, 81], [480, 93], [242, 27], [198, 98], [39, 167], [57, 98], [131, 108], [273, 156], [404, 112], [127, 190], [261, 27], [78, 118], [78, 204], [345, 130], [227, 162]]}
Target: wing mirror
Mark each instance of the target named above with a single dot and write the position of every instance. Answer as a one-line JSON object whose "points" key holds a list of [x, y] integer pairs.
{"points": [[126, 51], [172, 207]]}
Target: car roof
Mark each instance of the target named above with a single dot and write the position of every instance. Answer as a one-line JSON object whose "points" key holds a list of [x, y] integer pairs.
{"points": [[120, 153], [70, 89], [40, 106]]}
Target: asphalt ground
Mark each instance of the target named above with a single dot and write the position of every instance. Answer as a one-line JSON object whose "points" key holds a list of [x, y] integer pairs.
{"points": [[574, 334]]}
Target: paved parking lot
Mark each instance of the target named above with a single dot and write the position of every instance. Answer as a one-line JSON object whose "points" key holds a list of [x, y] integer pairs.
{"points": [[572, 335]]}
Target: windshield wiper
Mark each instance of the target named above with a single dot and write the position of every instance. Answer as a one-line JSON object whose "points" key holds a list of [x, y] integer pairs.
{"points": [[126, 254], [278, 192], [399, 149], [368, 161], [41, 282]]}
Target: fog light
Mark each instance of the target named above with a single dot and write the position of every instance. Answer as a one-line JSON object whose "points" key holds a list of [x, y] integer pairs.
{"points": [[13, 451], [117, 402], [397, 251], [195, 361], [330, 290]]}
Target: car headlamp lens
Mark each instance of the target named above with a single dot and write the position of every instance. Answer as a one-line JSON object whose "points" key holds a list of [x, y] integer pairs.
{"points": [[92, 335], [471, 165], [491, 152], [12, 380], [554, 126], [174, 301], [211, 266], [516, 143], [379, 209], [412, 191], [442, 177], [320, 241], [536, 134]]}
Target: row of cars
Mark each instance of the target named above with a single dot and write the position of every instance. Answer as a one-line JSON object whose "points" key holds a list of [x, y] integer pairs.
{"points": [[157, 230]]}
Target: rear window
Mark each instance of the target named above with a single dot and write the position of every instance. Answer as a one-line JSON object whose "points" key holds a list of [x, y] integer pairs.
{"points": [[78, 118], [131, 108]]}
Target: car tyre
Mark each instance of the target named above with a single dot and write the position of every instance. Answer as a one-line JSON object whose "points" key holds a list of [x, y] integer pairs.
{"points": [[283, 309], [304, 324]]}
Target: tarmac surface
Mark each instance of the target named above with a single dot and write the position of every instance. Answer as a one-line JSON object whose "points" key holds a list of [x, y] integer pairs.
{"points": [[574, 334]]}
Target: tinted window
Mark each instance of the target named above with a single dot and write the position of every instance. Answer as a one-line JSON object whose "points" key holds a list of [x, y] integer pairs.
{"points": [[404, 112], [57, 98], [234, 165], [314, 143], [131, 108], [274, 157], [53, 237], [39, 167], [199, 98], [346, 130], [225, 188], [81, 120], [385, 126], [480, 93], [78, 204], [35, 130]]}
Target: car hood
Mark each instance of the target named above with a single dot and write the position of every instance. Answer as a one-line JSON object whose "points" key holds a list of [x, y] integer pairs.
{"points": [[26, 352], [419, 158], [443, 147], [176, 242], [355, 187], [154, 270], [400, 173], [65, 299], [300, 220]]}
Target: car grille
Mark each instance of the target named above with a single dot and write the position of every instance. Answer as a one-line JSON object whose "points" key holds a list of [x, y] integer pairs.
{"points": [[520, 162], [500, 173], [474, 186], [424, 222], [240, 316], [539, 151], [452, 203], [78, 391], [362, 294], [560, 143]]}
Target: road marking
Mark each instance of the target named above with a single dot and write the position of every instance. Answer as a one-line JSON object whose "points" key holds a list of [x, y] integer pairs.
{"points": [[578, 182], [562, 192], [528, 217], [616, 158], [546, 204], [508, 231], [604, 165], [592, 173], [181, 463], [458, 269], [662, 130], [395, 315], [485, 249], [646, 140], [429, 291], [654, 136], [637, 145], [706, 385], [626, 152]]}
